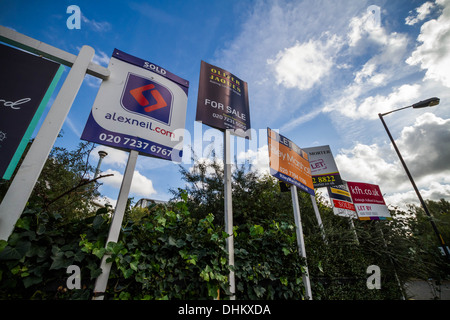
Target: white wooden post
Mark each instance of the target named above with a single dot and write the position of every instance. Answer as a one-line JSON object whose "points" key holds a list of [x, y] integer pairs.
{"points": [[318, 217], [300, 240], [229, 209], [21, 187], [116, 225]]}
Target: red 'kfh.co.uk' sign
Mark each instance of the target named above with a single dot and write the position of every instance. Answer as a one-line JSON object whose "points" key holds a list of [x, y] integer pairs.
{"points": [[368, 201]]}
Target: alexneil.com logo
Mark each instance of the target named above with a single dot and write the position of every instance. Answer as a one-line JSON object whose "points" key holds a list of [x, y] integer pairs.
{"points": [[148, 98]]}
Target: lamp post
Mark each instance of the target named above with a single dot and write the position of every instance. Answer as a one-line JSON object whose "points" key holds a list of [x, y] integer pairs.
{"points": [[422, 104], [101, 154]]}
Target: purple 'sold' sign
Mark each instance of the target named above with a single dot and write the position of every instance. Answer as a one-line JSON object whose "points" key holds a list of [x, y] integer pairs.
{"points": [[140, 107]]}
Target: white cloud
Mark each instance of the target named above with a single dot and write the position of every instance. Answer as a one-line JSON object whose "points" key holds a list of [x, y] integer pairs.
{"points": [[367, 163], [433, 55], [421, 13], [301, 119], [277, 30], [95, 25], [140, 185], [424, 149], [115, 157], [363, 28], [424, 145], [354, 107], [258, 159], [101, 58], [305, 64], [371, 90], [435, 191], [402, 96]]}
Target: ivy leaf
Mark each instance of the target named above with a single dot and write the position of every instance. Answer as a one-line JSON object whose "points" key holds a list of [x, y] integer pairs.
{"points": [[15, 253], [99, 252], [59, 261], [134, 265], [259, 291], [320, 266], [24, 223], [172, 241], [127, 272], [31, 280], [3, 244], [98, 222], [41, 229]]}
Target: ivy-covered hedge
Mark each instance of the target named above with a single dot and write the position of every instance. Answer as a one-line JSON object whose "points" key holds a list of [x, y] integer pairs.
{"points": [[166, 254]]}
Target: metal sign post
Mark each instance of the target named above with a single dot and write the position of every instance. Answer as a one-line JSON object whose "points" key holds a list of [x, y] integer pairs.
{"points": [[229, 210], [116, 224], [300, 240], [319, 219]]}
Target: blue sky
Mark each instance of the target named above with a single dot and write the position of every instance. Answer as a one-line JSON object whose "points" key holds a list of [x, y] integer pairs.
{"points": [[319, 71]]}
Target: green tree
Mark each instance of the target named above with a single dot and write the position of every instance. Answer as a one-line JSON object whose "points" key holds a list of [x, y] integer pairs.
{"points": [[177, 251], [65, 185], [427, 242], [337, 266]]}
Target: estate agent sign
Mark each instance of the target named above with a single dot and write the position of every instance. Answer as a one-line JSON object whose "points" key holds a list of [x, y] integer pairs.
{"points": [[140, 107], [26, 84], [368, 201], [223, 100], [288, 162]]}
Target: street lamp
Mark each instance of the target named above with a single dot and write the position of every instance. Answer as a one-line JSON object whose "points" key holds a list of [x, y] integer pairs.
{"points": [[101, 154], [422, 104]]}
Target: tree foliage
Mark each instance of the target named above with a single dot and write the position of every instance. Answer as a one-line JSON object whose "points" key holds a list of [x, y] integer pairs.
{"points": [[66, 185], [178, 250]]}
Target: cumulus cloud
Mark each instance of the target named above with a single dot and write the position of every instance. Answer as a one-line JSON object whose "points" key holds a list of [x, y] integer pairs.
{"points": [[422, 145], [278, 30], [366, 27], [115, 157], [375, 87], [424, 149], [140, 185], [368, 108], [434, 191], [420, 13], [401, 96], [259, 159], [368, 163], [305, 64], [433, 55], [425, 145]]}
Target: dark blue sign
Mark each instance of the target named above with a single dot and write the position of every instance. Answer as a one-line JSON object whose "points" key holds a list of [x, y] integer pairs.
{"points": [[26, 84]]}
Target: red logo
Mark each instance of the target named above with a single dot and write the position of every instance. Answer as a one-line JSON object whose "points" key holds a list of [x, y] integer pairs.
{"points": [[148, 98], [137, 94]]}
